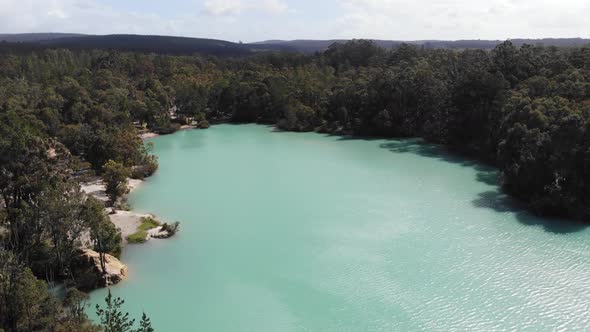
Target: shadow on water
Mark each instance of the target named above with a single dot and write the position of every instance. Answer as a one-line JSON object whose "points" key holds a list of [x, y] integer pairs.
{"points": [[494, 199], [486, 174], [502, 203]]}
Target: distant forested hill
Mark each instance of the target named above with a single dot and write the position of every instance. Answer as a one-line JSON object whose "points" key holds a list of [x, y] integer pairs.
{"points": [[140, 43], [34, 37], [187, 46], [156, 44], [311, 46]]}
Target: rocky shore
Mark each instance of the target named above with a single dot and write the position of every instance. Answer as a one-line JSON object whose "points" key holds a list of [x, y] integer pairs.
{"points": [[89, 272]]}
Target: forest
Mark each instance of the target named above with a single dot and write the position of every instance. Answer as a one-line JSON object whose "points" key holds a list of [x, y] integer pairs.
{"points": [[66, 113]]}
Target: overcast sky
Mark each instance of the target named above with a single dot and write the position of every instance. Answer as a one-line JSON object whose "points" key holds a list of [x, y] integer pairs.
{"points": [[255, 20]]}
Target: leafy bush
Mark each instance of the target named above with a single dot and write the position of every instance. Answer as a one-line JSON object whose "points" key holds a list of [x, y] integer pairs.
{"points": [[204, 124], [141, 235], [138, 237], [172, 229], [148, 223], [167, 128]]}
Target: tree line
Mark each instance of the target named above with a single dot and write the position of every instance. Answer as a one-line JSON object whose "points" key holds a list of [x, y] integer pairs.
{"points": [[66, 113]]}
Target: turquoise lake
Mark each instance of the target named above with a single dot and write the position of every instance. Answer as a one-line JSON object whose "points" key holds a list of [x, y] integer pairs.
{"points": [[309, 232]]}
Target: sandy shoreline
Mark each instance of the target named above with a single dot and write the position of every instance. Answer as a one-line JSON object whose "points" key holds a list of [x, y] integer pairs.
{"points": [[148, 135], [126, 221]]}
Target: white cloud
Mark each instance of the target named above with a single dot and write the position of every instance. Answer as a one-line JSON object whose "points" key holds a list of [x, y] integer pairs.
{"points": [[57, 13], [456, 19], [235, 7], [85, 16], [223, 7], [314, 19], [95, 17]]}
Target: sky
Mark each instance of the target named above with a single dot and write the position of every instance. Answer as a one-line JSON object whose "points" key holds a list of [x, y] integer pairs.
{"points": [[257, 20]]}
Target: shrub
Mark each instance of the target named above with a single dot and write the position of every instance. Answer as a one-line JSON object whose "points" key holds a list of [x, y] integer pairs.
{"points": [[204, 124], [148, 223], [138, 237], [141, 235], [167, 129], [151, 166], [172, 229], [137, 173]]}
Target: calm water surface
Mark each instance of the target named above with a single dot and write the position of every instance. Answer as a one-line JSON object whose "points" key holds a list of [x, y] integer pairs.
{"points": [[307, 232]]}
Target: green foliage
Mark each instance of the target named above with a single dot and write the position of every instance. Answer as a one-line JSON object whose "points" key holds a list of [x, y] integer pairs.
{"points": [[75, 303], [113, 319], [148, 223], [27, 305], [145, 325], [59, 211], [148, 164], [172, 229], [138, 237], [105, 236], [115, 178], [204, 124], [25, 301]]}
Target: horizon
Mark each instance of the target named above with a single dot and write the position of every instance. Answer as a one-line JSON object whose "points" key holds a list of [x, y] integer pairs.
{"points": [[289, 40], [260, 20]]}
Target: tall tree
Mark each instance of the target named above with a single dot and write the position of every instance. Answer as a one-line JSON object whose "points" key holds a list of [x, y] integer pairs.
{"points": [[105, 236], [115, 178]]}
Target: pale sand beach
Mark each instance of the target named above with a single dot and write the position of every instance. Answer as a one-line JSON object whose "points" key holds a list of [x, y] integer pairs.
{"points": [[148, 135], [126, 221]]}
